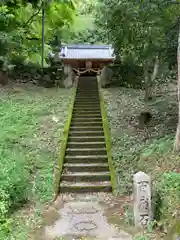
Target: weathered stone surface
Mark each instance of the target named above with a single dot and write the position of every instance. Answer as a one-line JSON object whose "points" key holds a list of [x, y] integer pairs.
{"points": [[84, 218], [105, 76], [69, 76], [142, 199]]}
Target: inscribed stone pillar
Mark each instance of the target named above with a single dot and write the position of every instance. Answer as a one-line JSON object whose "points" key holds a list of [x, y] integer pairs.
{"points": [[68, 76], [142, 199], [106, 76]]}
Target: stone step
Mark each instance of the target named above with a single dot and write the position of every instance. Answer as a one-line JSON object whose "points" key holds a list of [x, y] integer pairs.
{"points": [[85, 85], [87, 105], [87, 100], [86, 163], [84, 187], [86, 144], [85, 123], [87, 90], [86, 133], [89, 128], [86, 138], [93, 109], [93, 119], [90, 88], [86, 176], [86, 151], [86, 167], [86, 128], [88, 83], [87, 94], [86, 115], [86, 159], [80, 111]]}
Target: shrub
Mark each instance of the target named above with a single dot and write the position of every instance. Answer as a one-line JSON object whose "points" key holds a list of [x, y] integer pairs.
{"points": [[168, 197], [14, 181]]}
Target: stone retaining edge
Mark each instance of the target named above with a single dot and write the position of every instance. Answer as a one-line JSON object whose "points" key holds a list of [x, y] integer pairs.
{"points": [[107, 135]]}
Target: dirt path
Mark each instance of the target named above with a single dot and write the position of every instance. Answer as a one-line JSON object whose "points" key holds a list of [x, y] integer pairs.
{"points": [[81, 217]]}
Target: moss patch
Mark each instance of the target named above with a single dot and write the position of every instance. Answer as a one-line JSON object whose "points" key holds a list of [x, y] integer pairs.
{"points": [[107, 135]]}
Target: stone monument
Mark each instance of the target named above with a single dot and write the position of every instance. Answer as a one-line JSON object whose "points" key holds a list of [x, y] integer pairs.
{"points": [[69, 76], [142, 199], [106, 76]]}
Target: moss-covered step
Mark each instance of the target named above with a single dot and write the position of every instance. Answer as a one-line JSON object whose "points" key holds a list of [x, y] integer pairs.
{"points": [[85, 111], [86, 115], [86, 133], [81, 119], [86, 144], [87, 98], [86, 159], [84, 187], [86, 128], [86, 123], [86, 138], [91, 108], [86, 151], [86, 167], [86, 176]]}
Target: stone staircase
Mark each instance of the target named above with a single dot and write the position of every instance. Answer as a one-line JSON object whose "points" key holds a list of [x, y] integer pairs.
{"points": [[86, 163]]}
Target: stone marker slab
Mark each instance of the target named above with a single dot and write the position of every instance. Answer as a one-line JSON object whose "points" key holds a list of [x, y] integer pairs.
{"points": [[142, 199], [105, 76]]}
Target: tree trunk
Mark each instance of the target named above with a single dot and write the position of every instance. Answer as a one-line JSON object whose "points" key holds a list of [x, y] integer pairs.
{"points": [[177, 139], [153, 78], [3, 77], [146, 86]]}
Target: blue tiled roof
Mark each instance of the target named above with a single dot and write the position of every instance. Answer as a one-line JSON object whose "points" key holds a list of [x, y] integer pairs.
{"points": [[86, 51]]}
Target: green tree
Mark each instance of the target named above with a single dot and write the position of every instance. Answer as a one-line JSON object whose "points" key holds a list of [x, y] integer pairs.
{"points": [[140, 32], [20, 26]]}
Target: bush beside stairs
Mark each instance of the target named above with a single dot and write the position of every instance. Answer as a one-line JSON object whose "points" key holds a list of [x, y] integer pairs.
{"points": [[86, 162]]}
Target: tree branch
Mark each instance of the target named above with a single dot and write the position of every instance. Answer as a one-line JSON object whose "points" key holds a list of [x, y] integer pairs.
{"points": [[29, 21]]}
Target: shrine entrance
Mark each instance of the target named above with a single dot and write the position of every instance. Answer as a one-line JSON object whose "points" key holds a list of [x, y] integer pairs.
{"points": [[85, 60], [87, 71]]}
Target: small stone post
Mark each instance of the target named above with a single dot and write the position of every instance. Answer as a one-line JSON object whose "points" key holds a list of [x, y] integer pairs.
{"points": [[142, 199]]}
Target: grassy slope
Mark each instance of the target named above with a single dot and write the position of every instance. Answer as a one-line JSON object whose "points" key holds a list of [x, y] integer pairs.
{"points": [[135, 149], [32, 121], [150, 151]]}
